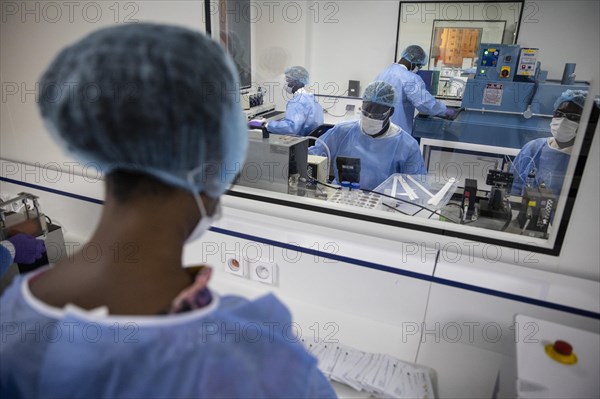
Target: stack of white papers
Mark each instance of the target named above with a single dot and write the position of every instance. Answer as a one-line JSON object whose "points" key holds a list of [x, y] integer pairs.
{"points": [[381, 375]]}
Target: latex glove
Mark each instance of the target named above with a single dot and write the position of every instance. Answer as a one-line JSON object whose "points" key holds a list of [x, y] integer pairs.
{"points": [[257, 123], [450, 112], [27, 248]]}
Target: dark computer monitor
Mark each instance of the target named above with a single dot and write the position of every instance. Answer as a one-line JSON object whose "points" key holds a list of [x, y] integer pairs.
{"points": [[348, 169]]}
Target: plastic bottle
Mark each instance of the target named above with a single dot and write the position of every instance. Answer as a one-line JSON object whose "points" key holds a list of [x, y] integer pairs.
{"points": [[293, 183], [355, 192], [345, 191]]}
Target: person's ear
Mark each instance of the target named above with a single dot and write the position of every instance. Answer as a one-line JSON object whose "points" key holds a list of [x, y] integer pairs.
{"points": [[391, 111]]}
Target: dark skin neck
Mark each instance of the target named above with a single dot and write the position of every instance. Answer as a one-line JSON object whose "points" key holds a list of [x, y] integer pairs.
{"points": [[132, 263], [406, 63], [296, 87]]}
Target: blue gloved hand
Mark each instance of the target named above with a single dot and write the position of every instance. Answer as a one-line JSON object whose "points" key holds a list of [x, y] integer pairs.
{"points": [[27, 248], [450, 112], [256, 123]]}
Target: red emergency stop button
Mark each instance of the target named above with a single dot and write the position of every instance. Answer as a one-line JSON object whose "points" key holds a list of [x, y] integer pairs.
{"points": [[562, 347], [562, 352]]}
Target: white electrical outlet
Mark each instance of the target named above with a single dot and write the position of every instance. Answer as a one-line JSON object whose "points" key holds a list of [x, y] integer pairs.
{"points": [[264, 271], [236, 267]]}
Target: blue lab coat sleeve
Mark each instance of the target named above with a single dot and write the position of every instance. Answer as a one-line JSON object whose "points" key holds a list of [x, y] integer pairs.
{"points": [[423, 100], [303, 114]]}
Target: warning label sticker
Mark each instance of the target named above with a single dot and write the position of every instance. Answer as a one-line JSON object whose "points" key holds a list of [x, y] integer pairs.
{"points": [[492, 94]]}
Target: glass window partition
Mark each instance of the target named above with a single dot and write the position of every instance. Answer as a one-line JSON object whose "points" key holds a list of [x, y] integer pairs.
{"points": [[492, 171]]}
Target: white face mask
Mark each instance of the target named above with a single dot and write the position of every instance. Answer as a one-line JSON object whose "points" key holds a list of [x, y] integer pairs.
{"points": [[563, 129], [370, 126], [288, 89], [205, 221]]}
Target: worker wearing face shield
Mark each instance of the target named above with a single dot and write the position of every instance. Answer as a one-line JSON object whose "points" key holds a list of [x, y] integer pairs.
{"points": [[303, 113], [131, 320], [411, 91], [545, 160], [382, 147]]}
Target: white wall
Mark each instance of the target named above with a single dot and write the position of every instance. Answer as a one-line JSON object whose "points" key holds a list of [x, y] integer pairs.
{"points": [[336, 41], [356, 43], [32, 33], [565, 31]]}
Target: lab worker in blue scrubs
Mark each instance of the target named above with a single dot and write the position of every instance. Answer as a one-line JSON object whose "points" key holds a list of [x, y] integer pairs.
{"points": [[382, 147], [303, 113], [545, 160], [131, 321], [411, 91]]}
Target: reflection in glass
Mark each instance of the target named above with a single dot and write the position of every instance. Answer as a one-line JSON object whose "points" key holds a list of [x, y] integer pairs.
{"points": [[505, 107], [452, 45]]}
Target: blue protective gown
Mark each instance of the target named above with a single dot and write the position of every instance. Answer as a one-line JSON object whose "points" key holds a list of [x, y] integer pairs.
{"points": [[379, 157], [6, 259], [411, 93], [233, 348], [550, 163], [303, 114]]}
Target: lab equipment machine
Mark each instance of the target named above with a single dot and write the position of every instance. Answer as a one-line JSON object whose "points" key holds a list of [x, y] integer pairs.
{"points": [[275, 162], [507, 102], [469, 200], [537, 209], [496, 204], [317, 168], [22, 214], [254, 105], [252, 99]]}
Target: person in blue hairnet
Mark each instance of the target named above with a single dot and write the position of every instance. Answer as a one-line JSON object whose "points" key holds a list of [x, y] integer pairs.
{"points": [[303, 113], [382, 147], [411, 91], [545, 160], [130, 321]]}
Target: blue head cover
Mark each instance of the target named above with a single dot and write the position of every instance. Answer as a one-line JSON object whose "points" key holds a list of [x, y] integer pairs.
{"points": [[415, 54], [575, 96], [157, 99], [380, 93], [297, 74]]}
